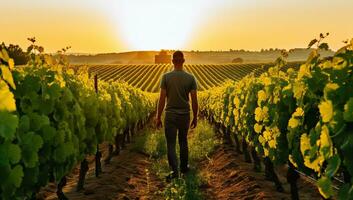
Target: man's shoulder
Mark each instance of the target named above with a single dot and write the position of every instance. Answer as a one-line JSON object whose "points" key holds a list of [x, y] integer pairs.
{"points": [[188, 74], [185, 73], [191, 76]]}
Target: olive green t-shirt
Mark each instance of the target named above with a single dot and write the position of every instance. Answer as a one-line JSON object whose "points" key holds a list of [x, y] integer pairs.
{"points": [[178, 84]]}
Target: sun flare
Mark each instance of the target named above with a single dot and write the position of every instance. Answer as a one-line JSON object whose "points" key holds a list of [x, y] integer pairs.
{"points": [[157, 24]]}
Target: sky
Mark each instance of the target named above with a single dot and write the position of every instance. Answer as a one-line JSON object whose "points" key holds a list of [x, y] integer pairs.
{"points": [[97, 26]]}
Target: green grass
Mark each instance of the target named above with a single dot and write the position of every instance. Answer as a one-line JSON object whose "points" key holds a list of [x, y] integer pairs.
{"points": [[202, 142]]}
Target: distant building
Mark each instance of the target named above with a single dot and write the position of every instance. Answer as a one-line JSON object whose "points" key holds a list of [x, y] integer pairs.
{"points": [[162, 58]]}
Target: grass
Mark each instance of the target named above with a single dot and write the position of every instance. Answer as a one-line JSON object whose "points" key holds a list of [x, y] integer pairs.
{"points": [[202, 142]]}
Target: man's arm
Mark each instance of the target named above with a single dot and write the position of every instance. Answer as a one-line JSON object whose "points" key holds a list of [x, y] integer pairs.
{"points": [[195, 108], [161, 104]]}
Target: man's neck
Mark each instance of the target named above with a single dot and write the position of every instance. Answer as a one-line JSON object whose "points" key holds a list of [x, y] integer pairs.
{"points": [[178, 68]]}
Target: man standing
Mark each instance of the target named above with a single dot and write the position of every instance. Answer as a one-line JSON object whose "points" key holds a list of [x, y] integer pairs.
{"points": [[176, 87]]}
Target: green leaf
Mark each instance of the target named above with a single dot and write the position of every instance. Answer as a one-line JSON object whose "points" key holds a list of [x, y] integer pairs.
{"points": [[312, 42], [60, 153], [346, 192], [47, 106], [14, 153], [325, 187], [5, 55], [48, 133], [16, 175], [7, 100], [11, 63], [54, 91], [348, 110], [31, 84], [8, 125], [38, 121], [30, 143], [324, 46], [333, 166], [24, 125], [9, 153], [7, 76], [5, 171]]}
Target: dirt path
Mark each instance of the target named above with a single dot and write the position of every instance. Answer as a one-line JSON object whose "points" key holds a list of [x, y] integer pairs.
{"points": [[229, 177], [130, 176]]}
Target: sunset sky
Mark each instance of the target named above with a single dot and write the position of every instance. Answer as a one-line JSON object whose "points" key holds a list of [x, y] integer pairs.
{"points": [[92, 26]]}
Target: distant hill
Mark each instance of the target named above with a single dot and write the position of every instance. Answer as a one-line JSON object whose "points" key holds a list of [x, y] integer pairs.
{"points": [[194, 57]]}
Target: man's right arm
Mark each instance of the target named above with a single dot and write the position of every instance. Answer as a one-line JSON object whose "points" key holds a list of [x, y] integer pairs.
{"points": [[161, 102]]}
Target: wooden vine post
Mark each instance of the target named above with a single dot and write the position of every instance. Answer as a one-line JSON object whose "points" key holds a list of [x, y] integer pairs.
{"points": [[83, 171], [59, 191], [98, 153]]}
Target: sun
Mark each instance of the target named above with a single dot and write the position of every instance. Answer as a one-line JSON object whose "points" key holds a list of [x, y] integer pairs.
{"points": [[156, 24]]}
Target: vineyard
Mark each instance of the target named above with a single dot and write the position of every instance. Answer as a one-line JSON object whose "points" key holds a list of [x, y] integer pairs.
{"points": [[147, 77], [51, 119], [301, 118], [55, 119]]}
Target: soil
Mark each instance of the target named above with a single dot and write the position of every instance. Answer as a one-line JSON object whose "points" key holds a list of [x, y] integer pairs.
{"points": [[129, 176], [230, 177]]}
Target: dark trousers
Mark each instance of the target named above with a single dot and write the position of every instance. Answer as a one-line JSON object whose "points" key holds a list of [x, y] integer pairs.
{"points": [[177, 124]]}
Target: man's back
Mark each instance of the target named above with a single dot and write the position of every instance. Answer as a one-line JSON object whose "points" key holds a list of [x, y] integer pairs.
{"points": [[178, 85]]}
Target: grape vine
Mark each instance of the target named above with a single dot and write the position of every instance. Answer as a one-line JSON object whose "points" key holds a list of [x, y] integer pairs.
{"points": [[301, 118]]}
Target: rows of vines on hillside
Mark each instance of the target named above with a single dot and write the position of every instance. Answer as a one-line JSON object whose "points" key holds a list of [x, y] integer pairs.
{"points": [[147, 76]]}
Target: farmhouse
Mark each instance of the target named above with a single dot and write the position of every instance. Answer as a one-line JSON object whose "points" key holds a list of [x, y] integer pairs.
{"points": [[162, 58]]}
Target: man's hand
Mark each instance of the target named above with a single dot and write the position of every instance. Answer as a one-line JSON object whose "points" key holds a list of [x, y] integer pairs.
{"points": [[193, 123], [158, 123]]}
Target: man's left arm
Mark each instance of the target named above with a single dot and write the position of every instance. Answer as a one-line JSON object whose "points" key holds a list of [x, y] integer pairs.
{"points": [[195, 108]]}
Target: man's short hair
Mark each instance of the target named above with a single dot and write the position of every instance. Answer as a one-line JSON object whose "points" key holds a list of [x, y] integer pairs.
{"points": [[178, 56]]}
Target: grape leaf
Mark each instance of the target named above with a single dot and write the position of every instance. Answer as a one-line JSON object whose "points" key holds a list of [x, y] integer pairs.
{"points": [[9, 153], [31, 84], [348, 110], [324, 46], [5, 55], [54, 91], [7, 100], [333, 166], [24, 125], [5, 171], [16, 175], [346, 192], [325, 187], [48, 133], [8, 125], [37, 121], [31, 143], [312, 42], [7, 76], [47, 106], [11, 63]]}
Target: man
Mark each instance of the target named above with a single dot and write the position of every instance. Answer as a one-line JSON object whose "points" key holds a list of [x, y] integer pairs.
{"points": [[176, 87]]}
